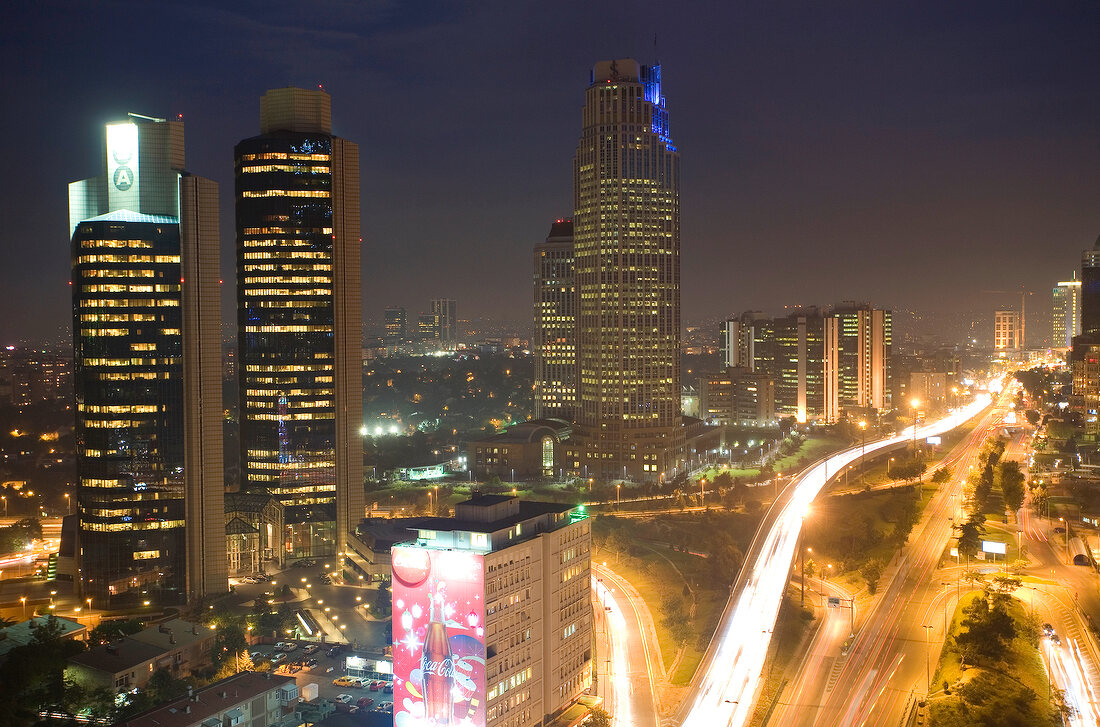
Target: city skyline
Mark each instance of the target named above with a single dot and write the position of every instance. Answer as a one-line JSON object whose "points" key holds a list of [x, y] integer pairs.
{"points": [[900, 119]]}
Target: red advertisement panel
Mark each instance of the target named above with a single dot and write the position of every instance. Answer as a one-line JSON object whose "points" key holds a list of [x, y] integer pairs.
{"points": [[438, 637]]}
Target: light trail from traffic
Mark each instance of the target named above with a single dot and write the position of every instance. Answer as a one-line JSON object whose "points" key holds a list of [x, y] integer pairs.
{"points": [[1067, 670], [727, 690], [622, 715]]}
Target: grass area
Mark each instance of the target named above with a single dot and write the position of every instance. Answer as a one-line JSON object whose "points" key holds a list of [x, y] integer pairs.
{"points": [[812, 449], [1021, 666], [848, 530], [677, 561]]}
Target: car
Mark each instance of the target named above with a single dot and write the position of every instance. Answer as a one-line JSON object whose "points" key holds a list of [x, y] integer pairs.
{"points": [[282, 646], [277, 658], [257, 657], [334, 651], [376, 685], [309, 664], [343, 698], [344, 681], [1048, 629], [310, 649], [364, 702], [385, 707], [388, 689]]}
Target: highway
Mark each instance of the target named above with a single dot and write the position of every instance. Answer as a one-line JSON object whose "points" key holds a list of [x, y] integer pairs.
{"points": [[726, 685], [628, 665]]}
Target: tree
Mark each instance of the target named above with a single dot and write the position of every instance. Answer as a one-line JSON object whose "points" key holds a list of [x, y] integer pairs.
{"points": [[969, 535], [108, 631], [598, 717], [725, 558], [872, 572], [941, 476], [228, 641], [1011, 482], [383, 602]]}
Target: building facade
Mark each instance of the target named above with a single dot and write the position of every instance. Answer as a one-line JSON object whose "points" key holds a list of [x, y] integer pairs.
{"points": [[397, 325], [1006, 330], [799, 368], [626, 229], [738, 397], [147, 372], [555, 342], [1065, 313], [299, 319], [247, 699], [858, 341], [518, 575], [446, 320]]}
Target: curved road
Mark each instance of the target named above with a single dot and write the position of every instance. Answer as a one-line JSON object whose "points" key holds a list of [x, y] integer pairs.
{"points": [[730, 676]]}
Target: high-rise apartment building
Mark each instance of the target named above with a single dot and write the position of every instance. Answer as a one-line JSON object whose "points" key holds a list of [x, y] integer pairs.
{"points": [[1090, 289], [1006, 330], [146, 334], [555, 343], [446, 320], [299, 319], [737, 396], [397, 325], [626, 230], [748, 341], [500, 594], [858, 340], [427, 327], [800, 364], [1066, 312]]}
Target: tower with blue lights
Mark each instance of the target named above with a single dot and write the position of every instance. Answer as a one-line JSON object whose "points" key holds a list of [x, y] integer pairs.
{"points": [[299, 322], [626, 229]]}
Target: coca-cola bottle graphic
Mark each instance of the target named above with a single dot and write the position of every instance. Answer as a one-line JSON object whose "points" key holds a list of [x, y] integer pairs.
{"points": [[437, 666]]}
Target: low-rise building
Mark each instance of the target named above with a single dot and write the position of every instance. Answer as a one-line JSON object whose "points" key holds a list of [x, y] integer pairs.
{"points": [[23, 633], [530, 449], [248, 699], [737, 396], [179, 646]]}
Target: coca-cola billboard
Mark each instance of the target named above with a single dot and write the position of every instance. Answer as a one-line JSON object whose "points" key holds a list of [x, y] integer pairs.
{"points": [[438, 637]]}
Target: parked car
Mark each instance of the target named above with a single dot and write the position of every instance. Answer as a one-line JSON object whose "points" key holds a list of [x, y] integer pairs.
{"points": [[257, 657], [388, 689], [385, 707], [310, 649], [364, 702], [334, 651], [344, 698], [276, 659], [286, 646], [310, 663], [344, 682], [377, 684]]}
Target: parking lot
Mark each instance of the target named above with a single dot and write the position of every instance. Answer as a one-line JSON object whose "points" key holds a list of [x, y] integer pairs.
{"points": [[328, 666]]}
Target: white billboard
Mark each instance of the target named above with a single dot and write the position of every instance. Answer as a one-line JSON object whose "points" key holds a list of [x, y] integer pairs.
{"points": [[122, 167], [990, 546]]}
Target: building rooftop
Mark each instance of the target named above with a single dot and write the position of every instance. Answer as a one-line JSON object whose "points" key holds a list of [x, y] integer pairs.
{"points": [[21, 634], [527, 510], [117, 657], [209, 701], [172, 634]]}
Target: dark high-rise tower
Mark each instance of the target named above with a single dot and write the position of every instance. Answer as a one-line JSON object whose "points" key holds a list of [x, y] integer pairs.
{"points": [[626, 231], [1090, 289], [146, 332], [299, 319], [555, 344]]}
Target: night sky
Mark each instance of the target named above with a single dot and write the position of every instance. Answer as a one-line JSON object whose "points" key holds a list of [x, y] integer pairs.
{"points": [[911, 154]]}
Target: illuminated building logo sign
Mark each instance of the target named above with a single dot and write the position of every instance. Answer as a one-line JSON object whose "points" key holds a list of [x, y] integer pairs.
{"points": [[438, 637], [122, 166]]}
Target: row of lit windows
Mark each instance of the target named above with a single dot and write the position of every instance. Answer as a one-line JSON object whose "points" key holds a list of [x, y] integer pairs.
{"points": [[117, 243], [285, 267], [120, 527], [253, 404], [292, 367], [301, 416], [288, 392], [118, 408], [114, 258], [277, 254], [287, 279], [284, 168], [287, 329], [511, 683], [135, 376], [116, 273], [128, 361], [264, 292], [285, 155], [130, 303], [119, 288], [286, 193], [260, 465], [116, 317]]}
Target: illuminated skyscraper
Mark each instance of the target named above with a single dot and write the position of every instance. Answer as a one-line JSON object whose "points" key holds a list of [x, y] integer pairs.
{"points": [[626, 193], [1006, 330], [1066, 313], [555, 324], [446, 320], [397, 325], [299, 319], [146, 333], [858, 341]]}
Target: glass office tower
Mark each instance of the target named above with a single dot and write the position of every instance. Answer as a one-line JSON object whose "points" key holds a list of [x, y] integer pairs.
{"points": [[299, 320], [626, 229], [146, 329]]}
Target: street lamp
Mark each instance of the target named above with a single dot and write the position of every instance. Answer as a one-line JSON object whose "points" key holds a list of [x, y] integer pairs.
{"points": [[5, 499], [68, 504], [927, 659], [23, 600], [862, 451], [618, 494], [702, 494], [802, 596], [915, 403]]}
